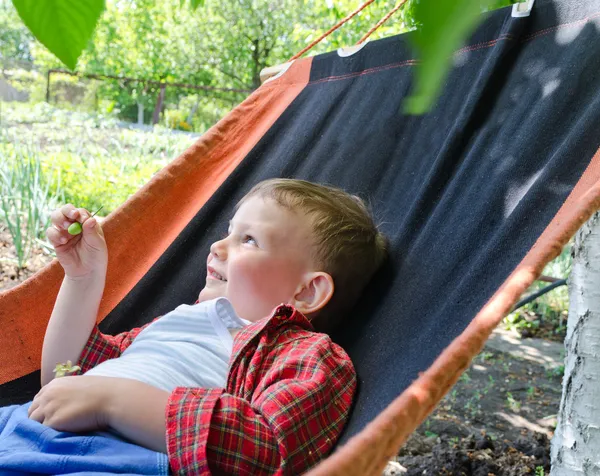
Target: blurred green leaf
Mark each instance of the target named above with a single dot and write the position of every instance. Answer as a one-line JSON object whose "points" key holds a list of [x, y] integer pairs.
{"points": [[62, 26], [443, 27], [193, 3]]}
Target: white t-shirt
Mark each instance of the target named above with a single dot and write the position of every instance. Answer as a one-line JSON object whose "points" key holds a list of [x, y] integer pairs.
{"points": [[188, 347]]}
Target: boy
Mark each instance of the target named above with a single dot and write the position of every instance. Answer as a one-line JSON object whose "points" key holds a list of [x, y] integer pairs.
{"points": [[296, 257]]}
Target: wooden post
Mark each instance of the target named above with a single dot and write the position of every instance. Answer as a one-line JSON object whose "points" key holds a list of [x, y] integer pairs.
{"points": [[48, 86], [159, 103]]}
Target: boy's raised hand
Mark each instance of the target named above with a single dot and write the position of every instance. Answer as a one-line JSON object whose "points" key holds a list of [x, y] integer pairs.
{"points": [[82, 254]]}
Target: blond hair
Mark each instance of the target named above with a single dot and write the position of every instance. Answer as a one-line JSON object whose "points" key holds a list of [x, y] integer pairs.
{"points": [[349, 246]]}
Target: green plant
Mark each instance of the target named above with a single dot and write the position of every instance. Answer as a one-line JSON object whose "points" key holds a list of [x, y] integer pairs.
{"points": [[511, 403], [556, 372], [64, 369], [551, 307], [472, 407], [453, 395], [85, 160], [27, 195], [489, 385], [539, 471]]}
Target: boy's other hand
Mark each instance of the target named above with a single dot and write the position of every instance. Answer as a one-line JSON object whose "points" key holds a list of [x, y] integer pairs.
{"points": [[74, 404], [82, 254]]}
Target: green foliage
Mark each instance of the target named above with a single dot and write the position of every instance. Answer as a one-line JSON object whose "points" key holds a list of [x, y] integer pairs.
{"points": [[194, 3], [511, 403], [93, 181], [14, 36], [64, 26], [105, 168], [228, 43], [442, 27], [553, 306], [556, 372], [539, 471], [64, 369], [28, 194]]}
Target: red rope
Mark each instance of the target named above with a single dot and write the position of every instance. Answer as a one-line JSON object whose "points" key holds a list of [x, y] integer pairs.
{"points": [[382, 21], [331, 30]]}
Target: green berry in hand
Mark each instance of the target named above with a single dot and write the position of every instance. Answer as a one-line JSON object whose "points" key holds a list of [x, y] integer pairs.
{"points": [[74, 228], [63, 369]]}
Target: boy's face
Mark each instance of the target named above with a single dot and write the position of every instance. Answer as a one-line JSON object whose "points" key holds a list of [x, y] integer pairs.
{"points": [[263, 259]]}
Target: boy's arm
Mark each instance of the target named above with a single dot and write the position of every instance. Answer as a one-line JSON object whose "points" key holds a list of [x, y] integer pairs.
{"points": [[71, 322], [137, 411], [290, 425]]}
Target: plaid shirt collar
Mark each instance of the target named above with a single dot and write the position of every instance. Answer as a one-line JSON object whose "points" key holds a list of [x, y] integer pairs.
{"points": [[284, 314]]}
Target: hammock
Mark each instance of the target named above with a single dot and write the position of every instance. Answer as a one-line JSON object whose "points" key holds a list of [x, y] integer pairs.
{"points": [[476, 197]]}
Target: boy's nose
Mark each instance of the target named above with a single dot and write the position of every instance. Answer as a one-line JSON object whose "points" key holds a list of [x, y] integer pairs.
{"points": [[218, 250]]}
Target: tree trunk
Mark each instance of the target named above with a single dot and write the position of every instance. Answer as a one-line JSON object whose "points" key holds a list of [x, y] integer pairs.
{"points": [[190, 117], [140, 114], [159, 105], [576, 443]]}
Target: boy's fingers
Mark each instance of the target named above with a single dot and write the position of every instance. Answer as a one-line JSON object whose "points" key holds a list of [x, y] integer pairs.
{"points": [[83, 215], [69, 211], [37, 415], [56, 237], [59, 220], [93, 230]]}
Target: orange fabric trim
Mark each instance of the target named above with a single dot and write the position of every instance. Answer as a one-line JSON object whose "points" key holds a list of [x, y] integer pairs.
{"points": [[368, 452], [141, 229]]}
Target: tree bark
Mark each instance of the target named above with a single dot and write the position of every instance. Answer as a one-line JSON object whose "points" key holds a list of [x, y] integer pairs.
{"points": [[140, 113], [159, 105], [575, 446], [190, 117]]}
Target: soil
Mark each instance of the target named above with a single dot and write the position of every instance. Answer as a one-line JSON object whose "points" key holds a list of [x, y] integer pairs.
{"points": [[10, 273], [497, 420]]}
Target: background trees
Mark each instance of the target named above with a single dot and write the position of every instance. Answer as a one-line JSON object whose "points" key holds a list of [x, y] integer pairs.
{"points": [[230, 42]]}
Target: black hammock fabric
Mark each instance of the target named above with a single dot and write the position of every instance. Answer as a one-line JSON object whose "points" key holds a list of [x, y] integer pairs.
{"points": [[463, 192]]}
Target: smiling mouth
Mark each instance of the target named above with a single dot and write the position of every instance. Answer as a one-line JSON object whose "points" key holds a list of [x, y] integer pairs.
{"points": [[213, 274]]}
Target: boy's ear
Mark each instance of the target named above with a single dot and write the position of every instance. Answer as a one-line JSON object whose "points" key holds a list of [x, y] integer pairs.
{"points": [[314, 293]]}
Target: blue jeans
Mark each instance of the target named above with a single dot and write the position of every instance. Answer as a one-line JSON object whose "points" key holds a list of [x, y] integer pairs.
{"points": [[27, 446]]}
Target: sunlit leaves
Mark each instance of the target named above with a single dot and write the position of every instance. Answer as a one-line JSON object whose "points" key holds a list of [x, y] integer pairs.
{"points": [[63, 26], [193, 3], [443, 26]]}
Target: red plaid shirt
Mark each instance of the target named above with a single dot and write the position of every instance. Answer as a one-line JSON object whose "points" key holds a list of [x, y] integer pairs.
{"points": [[287, 399]]}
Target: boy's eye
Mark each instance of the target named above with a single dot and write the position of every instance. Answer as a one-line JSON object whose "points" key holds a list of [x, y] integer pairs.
{"points": [[248, 239]]}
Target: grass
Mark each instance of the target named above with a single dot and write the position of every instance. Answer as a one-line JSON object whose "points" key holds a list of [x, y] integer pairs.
{"points": [[50, 156]]}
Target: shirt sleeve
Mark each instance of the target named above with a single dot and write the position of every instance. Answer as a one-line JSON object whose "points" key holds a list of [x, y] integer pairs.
{"points": [[290, 423], [101, 347]]}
